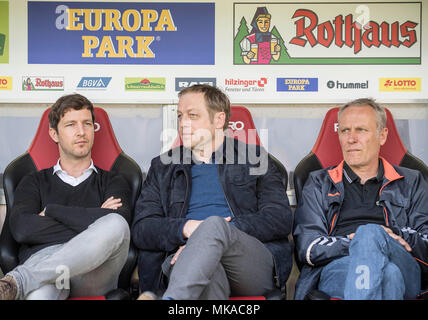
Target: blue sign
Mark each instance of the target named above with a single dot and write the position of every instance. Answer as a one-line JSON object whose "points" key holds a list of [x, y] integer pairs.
{"points": [[121, 33], [296, 84], [94, 83]]}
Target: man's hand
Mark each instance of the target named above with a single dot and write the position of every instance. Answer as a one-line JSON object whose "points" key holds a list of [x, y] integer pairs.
{"points": [[398, 238], [175, 257], [112, 203], [191, 225], [42, 214]]}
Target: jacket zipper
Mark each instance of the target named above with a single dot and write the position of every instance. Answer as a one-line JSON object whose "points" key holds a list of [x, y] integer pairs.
{"points": [[333, 223], [224, 193], [181, 215], [385, 213]]}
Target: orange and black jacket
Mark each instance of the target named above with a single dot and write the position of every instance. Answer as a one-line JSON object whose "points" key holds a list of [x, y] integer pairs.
{"points": [[403, 196]]}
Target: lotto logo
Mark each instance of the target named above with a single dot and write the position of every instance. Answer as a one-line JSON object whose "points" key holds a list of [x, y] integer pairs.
{"points": [[400, 84], [5, 83]]}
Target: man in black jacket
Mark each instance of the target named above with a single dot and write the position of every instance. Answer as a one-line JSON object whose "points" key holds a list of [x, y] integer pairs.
{"points": [[361, 228], [71, 220], [213, 217]]}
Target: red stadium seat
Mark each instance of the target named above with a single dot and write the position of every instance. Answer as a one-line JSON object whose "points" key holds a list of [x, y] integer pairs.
{"points": [[241, 126], [43, 153]]}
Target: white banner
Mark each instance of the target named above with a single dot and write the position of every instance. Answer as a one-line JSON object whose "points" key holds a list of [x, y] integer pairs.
{"points": [[257, 52]]}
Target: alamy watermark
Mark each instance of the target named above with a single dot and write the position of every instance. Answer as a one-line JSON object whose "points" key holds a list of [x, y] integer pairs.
{"points": [[62, 282], [363, 280]]}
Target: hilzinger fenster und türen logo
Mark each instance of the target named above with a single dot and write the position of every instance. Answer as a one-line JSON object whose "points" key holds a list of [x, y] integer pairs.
{"points": [[245, 85]]}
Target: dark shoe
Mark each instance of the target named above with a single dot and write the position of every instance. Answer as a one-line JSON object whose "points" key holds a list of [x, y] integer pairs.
{"points": [[118, 294], [8, 288], [317, 295]]}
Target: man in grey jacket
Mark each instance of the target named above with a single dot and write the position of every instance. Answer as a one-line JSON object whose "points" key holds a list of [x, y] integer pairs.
{"points": [[361, 227]]}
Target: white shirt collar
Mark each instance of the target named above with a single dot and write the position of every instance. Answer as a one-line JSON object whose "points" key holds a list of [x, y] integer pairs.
{"points": [[64, 176]]}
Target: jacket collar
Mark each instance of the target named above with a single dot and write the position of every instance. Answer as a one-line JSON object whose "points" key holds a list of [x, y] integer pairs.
{"points": [[336, 174], [352, 177]]}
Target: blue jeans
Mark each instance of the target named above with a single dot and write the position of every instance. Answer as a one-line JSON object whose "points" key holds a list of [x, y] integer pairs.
{"points": [[377, 268]]}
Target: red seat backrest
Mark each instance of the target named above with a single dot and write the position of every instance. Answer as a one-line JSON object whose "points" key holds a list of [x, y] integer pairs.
{"points": [[241, 127], [44, 151], [327, 147]]}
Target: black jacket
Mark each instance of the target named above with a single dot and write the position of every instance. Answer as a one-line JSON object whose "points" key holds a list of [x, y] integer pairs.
{"points": [[258, 202]]}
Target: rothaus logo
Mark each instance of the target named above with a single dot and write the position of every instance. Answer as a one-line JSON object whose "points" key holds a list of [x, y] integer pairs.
{"points": [[181, 83], [347, 85], [99, 83], [334, 33], [30, 83], [346, 31]]}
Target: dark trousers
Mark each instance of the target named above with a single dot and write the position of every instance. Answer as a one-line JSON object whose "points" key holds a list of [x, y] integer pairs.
{"points": [[219, 261]]}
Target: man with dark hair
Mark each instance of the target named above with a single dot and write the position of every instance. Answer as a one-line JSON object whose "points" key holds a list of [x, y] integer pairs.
{"points": [[63, 104], [206, 227], [361, 228], [71, 220]]}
